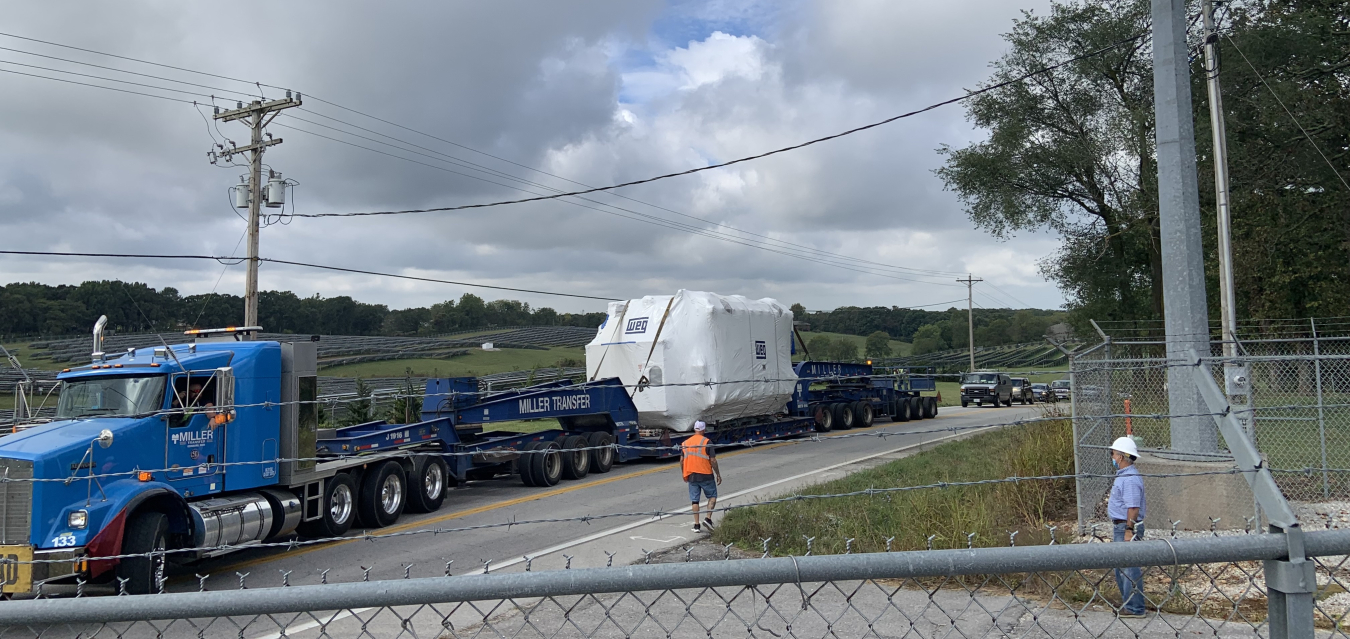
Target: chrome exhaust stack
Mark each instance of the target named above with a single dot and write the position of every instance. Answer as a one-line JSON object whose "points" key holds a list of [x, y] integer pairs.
{"points": [[98, 338]]}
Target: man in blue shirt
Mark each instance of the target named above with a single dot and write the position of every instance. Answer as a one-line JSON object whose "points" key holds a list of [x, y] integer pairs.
{"points": [[1126, 509]]}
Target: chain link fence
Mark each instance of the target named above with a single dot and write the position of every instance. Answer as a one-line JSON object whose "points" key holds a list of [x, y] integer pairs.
{"points": [[1212, 586], [1292, 393]]}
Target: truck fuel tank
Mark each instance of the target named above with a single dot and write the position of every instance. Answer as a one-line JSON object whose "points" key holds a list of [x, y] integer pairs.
{"points": [[242, 519]]}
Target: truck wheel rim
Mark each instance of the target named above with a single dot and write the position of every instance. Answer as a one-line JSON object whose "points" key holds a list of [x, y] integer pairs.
{"points": [[341, 508], [433, 481], [391, 494], [553, 464]]}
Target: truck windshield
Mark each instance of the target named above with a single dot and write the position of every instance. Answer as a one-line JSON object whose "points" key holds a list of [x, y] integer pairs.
{"points": [[980, 378], [1060, 383], [110, 396]]}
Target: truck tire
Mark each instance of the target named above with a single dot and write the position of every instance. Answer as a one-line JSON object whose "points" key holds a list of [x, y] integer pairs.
{"points": [[427, 484], [900, 409], [930, 407], [146, 532], [916, 408], [863, 416], [338, 509], [843, 416], [576, 459], [546, 466], [602, 455], [824, 418], [384, 494], [523, 466]]}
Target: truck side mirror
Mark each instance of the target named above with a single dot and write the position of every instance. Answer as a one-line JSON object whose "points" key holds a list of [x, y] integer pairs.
{"points": [[225, 389]]}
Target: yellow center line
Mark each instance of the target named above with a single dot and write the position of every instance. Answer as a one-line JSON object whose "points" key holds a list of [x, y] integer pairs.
{"points": [[422, 523]]}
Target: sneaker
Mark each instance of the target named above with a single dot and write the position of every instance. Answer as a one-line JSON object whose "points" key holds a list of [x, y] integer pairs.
{"points": [[1132, 615], [698, 528], [707, 521]]}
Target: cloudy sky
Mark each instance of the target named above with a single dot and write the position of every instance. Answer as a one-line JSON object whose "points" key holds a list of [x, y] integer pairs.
{"points": [[525, 98]]}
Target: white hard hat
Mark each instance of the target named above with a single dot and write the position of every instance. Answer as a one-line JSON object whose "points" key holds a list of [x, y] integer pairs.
{"points": [[1126, 445]]}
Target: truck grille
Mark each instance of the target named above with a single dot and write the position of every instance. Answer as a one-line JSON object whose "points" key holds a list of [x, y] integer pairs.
{"points": [[16, 501]]}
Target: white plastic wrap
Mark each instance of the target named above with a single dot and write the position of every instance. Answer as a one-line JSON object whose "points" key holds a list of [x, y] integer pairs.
{"points": [[742, 346]]}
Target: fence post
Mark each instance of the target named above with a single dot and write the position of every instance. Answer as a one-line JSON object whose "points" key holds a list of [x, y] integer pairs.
{"points": [[1321, 417], [1292, 581]]}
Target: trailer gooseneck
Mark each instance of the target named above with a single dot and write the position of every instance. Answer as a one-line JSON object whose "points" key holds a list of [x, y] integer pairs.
{"points": [[201, 449]]}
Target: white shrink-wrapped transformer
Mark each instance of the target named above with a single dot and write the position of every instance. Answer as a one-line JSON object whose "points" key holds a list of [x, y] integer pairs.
{"points": [[697, 356]]}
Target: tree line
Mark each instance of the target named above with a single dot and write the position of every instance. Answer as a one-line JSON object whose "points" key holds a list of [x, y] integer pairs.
{"points": [[40, 309], [928, 331], [1072, 152]]}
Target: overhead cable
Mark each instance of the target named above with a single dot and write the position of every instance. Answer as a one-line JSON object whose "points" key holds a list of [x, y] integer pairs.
{"points": [[223, 259]]}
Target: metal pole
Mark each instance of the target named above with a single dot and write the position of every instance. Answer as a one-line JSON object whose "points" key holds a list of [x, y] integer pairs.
{"points": [[1185, 312], [254, 203], [1227, 303], [1321, 417]]}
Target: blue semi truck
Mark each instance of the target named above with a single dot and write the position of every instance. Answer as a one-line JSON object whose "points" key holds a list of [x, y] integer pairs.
{"points": [[205, 448]]}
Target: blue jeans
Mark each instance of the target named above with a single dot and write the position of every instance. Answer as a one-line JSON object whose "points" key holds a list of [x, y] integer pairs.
{"points": [[1130, 581], [707, 486]]}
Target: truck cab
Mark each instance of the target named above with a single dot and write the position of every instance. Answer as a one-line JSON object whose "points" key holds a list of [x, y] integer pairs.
{"points": [[163, 448]]}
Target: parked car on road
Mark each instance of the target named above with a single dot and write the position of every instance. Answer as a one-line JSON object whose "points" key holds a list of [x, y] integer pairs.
{"points": [[1061, 388], [1021, 390], [986, 388]]}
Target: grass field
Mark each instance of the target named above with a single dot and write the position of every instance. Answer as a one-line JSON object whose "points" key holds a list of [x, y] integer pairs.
{"points": [[21, 350], [476, 362], [1044, 448], [898, 348]]}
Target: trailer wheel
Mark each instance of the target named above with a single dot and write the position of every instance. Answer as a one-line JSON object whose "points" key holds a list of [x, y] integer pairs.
{"points": [[843, 416], [524, 465], [426, 486], [384, 494], [863, 415], [338, 509], [900, 409], [916, 408], [823, 416], [147, 532], [602, 455], [576, 460], [547, 465], [929, 407]]}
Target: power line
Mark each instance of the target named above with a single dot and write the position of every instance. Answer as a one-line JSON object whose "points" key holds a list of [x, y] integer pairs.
{"points": [[749, 158], [642, 217], [1304, 131], [238, 260], [616, 194], [97, 86], [143, 75]]}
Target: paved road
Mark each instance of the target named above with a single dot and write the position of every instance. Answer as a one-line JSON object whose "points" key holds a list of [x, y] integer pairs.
{"points": [[637, 487]]}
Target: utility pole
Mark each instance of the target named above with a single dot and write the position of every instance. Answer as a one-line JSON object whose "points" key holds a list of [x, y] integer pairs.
{"points": [[1185, 311], [970, 314], [1227, 298], [257, 115]]}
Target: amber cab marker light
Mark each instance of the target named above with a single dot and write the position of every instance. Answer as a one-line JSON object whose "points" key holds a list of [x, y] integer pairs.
{"points": [[144, 475]]}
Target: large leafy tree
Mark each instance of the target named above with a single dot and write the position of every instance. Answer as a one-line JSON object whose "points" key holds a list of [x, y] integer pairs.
{"points": [[1291, 201], [1071, 151]]}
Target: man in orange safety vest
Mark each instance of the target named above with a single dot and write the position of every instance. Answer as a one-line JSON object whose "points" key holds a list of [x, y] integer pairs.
{"points": [[698, 461]]}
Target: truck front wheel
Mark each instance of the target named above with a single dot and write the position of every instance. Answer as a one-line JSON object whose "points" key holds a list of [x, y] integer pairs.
{"points": [[338, 510], [147, 532]]}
